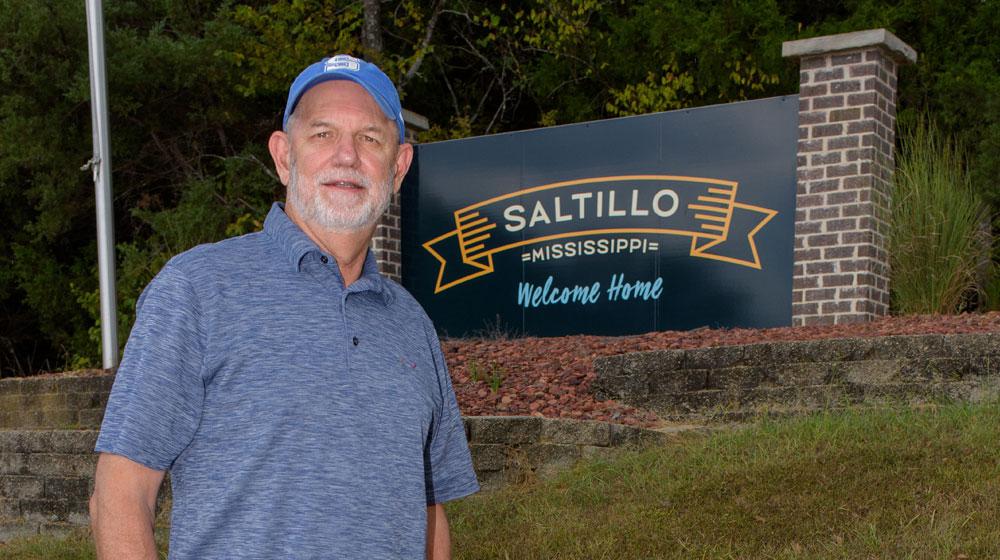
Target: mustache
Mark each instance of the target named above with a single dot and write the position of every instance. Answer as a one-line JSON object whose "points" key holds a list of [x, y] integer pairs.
{"points": [[351, 175]]}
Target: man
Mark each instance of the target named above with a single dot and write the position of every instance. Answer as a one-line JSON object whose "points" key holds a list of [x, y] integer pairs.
{"points": [[299, 399]]}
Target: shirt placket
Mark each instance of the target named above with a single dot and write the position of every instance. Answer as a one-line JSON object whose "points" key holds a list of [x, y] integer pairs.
{"points": [[322, 269], [351, 337]]}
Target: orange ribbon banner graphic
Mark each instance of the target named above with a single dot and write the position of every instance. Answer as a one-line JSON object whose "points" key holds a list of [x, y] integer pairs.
{"points": [[703, 209]]}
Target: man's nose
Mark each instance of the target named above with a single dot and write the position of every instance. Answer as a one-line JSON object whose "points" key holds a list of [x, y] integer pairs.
{"points": [[345, 152]]}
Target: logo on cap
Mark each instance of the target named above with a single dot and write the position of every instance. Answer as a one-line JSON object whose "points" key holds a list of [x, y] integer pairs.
{"points": [[342, 62]]}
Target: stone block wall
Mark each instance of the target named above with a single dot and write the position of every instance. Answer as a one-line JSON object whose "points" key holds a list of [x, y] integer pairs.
{"points": [[46, 478], [72, 402], [511, 449], [847, 120], [46, 474], [739, 382]]}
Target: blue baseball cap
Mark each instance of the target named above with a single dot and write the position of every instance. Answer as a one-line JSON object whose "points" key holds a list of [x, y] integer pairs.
{"points": [[346, 67]]}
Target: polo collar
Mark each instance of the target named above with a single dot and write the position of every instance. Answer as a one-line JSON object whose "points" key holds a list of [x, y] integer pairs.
{"points": [[295, 245]]}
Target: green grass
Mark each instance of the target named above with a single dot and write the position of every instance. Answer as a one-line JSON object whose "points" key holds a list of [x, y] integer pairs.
{"points": [[75, 546], [891, 483], [886, 484]]}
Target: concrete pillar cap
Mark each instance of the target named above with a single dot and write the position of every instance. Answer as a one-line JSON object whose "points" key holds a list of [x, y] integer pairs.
{"points": [[899, 50]]}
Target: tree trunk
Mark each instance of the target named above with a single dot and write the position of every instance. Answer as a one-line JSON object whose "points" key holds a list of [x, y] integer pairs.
{"points": [[371, 29]]}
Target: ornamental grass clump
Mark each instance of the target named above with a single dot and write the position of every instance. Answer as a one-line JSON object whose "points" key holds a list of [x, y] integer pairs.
{"points": [[939, 244]]}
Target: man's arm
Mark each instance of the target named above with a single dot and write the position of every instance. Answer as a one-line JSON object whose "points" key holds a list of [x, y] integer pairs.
{"points": [[123, 508], [438, 539]]}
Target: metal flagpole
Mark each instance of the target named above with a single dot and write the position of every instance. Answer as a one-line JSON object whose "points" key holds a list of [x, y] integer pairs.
{"points": [[101, 166]]}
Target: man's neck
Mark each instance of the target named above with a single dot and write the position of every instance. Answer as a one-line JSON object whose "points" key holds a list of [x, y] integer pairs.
{"points": [[349, 249]]}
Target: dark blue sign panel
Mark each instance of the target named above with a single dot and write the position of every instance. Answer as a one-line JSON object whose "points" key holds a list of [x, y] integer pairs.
{"points": [[667, 221]]}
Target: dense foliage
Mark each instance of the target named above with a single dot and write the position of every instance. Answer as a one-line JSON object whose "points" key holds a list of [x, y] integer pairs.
{"points": [[197, 85]]}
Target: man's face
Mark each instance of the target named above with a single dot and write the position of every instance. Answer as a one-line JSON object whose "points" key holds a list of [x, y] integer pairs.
{"points": [[340, 159]]}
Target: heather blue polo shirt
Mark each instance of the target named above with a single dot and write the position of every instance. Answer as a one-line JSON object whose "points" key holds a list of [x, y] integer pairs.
{"points": [[298, 419]]}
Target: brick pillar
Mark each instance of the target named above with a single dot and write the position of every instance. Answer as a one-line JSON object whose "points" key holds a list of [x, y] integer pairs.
{"points": [[387, 241], [847, 121]]}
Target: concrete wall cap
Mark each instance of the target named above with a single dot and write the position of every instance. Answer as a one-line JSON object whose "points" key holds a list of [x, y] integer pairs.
{"points": [[854, 40], [415, 121]]}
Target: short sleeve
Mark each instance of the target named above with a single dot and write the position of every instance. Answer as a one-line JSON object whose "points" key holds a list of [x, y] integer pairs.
{"points": [[448, 471], [155, 403]]}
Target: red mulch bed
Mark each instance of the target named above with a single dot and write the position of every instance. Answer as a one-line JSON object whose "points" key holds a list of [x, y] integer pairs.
{"points": [[551, 377]]}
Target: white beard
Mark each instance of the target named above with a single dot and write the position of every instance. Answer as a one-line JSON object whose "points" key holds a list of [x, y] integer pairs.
{"points": [[316, 208]]}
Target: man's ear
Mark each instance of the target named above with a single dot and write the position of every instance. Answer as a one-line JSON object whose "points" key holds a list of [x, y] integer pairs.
{"points": [[280, 145], [404, 157]]}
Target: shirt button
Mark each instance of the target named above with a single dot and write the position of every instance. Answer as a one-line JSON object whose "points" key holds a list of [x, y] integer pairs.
{"points": [[355, 341], [323, 259]]}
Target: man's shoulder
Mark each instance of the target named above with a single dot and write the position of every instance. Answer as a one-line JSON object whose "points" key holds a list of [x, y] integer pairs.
{"points": [[207, 271], [404, 299], [227, 256]]}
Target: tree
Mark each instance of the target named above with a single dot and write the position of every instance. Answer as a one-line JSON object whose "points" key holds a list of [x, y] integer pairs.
{"points": [[197, 86]]}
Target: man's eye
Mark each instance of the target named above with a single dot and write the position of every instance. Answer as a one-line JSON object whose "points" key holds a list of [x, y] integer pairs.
{"points": [[369, 139], [322, 134]]}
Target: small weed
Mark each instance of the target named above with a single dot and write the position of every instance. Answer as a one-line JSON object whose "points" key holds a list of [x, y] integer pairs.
{"points": [[518, 469], [491, 373], [496, 376], [475, 371]]}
